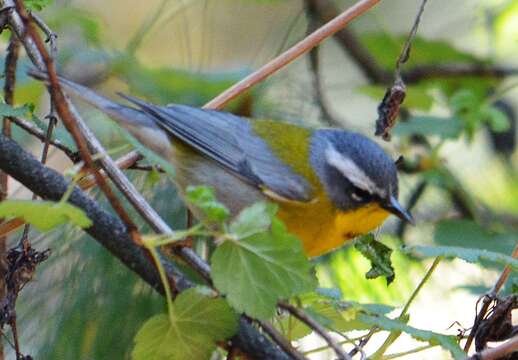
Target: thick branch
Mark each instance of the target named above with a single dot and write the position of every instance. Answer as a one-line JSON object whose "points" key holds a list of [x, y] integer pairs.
{"points": [[110, 232]]}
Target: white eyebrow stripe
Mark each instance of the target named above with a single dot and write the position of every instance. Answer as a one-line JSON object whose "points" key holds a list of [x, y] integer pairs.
{"points": [[352, 172]]}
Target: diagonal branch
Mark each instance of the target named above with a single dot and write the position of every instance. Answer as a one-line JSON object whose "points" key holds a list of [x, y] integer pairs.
{"points": [[110, 232], [302, 47]]}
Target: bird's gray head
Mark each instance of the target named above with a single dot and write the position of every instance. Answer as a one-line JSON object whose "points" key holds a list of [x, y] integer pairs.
{"points": [[355, 171]]}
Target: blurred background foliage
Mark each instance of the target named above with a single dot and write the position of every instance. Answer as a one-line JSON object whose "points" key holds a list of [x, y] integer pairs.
{"points": [[458, 137]]}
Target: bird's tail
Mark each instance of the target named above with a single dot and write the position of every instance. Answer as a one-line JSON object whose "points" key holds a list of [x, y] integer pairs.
{"points": [[121, 113], [140, 124]]}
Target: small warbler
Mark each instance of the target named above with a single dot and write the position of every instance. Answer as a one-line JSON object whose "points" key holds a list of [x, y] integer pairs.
{"points": [[330, 185]]}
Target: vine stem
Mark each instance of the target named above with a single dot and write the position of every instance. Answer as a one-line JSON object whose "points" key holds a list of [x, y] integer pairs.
{"points": [[394, 335], [319, 329], [292, 53]]}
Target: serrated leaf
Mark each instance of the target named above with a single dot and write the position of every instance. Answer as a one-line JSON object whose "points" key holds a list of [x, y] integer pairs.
{"points": [[379, 256], [445, 341], [445, 128], [197, 322], [467, 254], [467, 233], [253, 219], [44, 215], [256, 271], [203, 197]]}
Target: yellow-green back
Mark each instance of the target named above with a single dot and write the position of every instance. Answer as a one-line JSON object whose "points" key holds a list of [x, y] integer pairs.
{"points": [[291, 143]]}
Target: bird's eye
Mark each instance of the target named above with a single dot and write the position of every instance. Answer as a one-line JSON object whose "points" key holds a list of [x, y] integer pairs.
{"points": [[360, 195]]}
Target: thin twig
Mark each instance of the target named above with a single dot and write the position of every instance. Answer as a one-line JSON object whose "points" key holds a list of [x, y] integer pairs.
{"points": [[498, 352], [51, 35], [405, 53], [64, 112], [319, 329], [41, 135], [280, 340], [292, 53], [412, 202], [393, 335]]}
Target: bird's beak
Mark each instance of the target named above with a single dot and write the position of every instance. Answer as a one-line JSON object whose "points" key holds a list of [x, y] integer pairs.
{"points": [[395, 208]]}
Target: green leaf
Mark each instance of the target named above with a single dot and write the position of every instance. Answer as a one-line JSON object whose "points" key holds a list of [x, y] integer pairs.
{"points": [[44, 215], [417, 97], [445, 341], [469, 234], [386, 48], [21, 111], [253, 219], [495, 118], [445, 128], [467, 254], [203, 197], [256, 271], [196, 323], [379, 256], [37, 4]]}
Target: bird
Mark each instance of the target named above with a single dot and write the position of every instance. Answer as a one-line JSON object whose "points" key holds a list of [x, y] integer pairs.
{"points": [[330, 185]]}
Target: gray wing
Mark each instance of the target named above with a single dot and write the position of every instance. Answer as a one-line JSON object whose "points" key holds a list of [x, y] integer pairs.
{"points": [[229, 140]]}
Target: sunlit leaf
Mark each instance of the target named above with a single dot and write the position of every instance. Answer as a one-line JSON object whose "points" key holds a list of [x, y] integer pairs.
{"points": [[253, 219], [44, 215], [447, 342], [254, 272], [204, 198], [467, 254], [197, 323]]}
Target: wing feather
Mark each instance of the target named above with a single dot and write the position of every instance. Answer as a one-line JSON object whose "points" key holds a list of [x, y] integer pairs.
{"points": [[230, 141]]}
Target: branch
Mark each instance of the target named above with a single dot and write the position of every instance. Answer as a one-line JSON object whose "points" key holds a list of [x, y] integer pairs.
{"points": [[319, 329], [40, 135], [292, 53], [498, 352], [110, 232]]}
